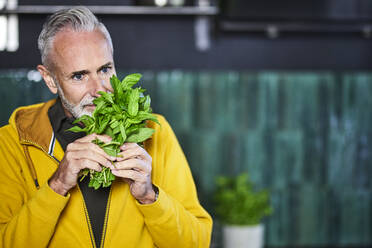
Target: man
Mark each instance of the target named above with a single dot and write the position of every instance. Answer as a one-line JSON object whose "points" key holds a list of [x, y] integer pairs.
{"points": [[152, 202]]}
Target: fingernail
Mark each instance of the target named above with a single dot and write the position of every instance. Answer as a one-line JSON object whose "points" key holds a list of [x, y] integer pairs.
{"points": [[109, 165]]}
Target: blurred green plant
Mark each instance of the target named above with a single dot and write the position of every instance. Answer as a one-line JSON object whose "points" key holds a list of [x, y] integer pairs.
{"points": [[237, 203]]}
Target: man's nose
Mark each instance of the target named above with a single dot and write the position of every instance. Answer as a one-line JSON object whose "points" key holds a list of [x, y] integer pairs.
{"points": [[99, 84]]}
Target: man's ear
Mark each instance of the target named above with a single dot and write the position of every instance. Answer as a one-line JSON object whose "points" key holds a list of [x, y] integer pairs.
{"points": [[48, 78]]}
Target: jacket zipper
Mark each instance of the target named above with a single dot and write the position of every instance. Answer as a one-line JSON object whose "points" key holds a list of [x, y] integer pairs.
{"points": [[27, 142], [88, 219], [103, 236], [85, 208]]}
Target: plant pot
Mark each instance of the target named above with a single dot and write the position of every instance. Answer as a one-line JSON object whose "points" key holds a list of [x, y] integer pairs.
{"points": [[243, 236]]}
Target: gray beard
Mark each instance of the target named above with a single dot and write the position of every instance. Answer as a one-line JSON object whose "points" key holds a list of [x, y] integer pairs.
{"points": [[78, 110]]}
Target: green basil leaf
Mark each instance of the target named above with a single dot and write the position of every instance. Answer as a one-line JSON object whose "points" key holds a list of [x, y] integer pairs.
{"points": [[111, 150], [146, 104], [130, 80], [133, 102], [102, 126], [122, 131], [108, 97], [76, 129], [141, 135]]}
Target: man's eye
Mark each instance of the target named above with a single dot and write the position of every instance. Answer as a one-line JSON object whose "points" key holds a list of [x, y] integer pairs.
{"points": [[106, 69], [78, 77]]}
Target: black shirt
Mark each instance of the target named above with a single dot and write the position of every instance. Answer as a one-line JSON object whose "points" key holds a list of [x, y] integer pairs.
{"points": [[95, 200]]}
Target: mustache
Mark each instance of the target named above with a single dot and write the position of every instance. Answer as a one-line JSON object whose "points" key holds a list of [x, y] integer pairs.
{"points": [[87, 100]]}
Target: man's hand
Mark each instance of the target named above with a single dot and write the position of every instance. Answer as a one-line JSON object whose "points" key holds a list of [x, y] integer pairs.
{"points": [[79, 155], [134, 167]]}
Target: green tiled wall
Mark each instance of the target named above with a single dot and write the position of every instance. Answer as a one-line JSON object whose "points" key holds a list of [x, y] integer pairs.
{"points": [[307, 137]]}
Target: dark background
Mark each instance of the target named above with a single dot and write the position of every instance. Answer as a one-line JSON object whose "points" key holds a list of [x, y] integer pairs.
{"points": [[168, 42]]}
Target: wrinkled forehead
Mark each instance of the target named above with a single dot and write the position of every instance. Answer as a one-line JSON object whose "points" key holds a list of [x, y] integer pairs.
{"points": [[84, 50]]}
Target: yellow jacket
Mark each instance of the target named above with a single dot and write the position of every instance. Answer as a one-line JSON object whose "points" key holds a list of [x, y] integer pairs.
{"points": [[31, 217]]}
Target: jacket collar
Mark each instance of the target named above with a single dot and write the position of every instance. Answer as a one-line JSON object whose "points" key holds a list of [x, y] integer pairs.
{"points": [[33, 125]]}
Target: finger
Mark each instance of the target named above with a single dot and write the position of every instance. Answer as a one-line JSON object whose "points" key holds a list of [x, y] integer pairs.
{"points": [[89, 164], [88, 146], [93, 136], [90, 155], [133, 164], [134, 152], [134, 155], [128, 146], [130, 174]]}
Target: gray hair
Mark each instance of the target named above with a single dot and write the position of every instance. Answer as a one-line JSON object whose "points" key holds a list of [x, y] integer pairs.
{"points": [[78, 19]]}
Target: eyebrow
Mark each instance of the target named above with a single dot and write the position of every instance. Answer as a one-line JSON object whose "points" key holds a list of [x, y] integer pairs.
{"points": [[105, 65], [86, 71], [79, 72]]}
